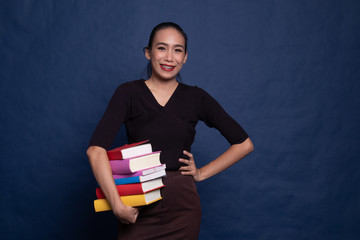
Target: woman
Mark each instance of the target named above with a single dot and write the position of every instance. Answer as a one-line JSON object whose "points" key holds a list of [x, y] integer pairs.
{"points": [[166, 112]]}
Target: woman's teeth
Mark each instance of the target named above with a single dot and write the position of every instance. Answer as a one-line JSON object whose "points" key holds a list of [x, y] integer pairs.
{"points": [[167, 67]]}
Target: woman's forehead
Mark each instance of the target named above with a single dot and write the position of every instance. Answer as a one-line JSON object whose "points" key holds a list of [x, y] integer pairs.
{"points": [[169, 36]]}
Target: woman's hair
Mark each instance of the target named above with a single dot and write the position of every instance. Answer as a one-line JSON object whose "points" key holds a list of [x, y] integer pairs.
{"points": [[158, 27]]}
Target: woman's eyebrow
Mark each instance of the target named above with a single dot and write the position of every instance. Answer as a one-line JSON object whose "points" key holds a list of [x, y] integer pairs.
{"points": [[176, 45]]}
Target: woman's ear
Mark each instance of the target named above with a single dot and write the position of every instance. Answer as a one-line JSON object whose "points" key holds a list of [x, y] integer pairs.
{"points": [[147, 54], [185, 58]]}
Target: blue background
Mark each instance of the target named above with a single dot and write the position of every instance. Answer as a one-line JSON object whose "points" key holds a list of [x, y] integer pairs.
{"points": [[288, 71]]}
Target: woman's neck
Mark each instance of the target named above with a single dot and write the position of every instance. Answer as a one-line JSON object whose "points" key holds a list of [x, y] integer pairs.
{"points": [[161, 85], [162, 90]]}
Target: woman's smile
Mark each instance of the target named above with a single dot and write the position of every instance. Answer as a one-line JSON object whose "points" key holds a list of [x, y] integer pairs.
{"points": [[167, 68]]}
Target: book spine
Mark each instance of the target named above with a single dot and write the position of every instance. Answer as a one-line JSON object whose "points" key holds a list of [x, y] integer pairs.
{"points": [[135, 174], [116, 155], [101, 205], [129, 180], [120, 166], [123, 190]]}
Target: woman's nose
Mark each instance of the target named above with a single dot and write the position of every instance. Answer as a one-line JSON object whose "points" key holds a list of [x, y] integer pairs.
{"points": [[168, 56]]}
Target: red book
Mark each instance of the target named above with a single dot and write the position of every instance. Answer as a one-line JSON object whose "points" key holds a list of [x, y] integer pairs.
{"points": [[134, 188], [129, 150]]}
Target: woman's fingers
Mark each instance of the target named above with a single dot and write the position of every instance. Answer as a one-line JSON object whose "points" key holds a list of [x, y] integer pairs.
{"points": [[187, 169], [190, 168], [127, 214], [188, 154], [186, 161]]}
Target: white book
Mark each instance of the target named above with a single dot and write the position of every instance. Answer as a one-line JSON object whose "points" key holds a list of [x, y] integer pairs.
{"points": [[136, 151]]}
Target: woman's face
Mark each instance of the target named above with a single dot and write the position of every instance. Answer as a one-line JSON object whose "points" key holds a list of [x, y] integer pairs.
{"points": [[167, 54]]}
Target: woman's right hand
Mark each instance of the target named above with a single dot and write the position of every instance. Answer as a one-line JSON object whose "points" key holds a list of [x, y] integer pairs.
{"points": [[99, 162], [126, 214]]}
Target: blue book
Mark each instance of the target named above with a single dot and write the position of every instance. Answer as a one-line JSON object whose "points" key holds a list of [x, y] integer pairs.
{"points": [[143, 178]]}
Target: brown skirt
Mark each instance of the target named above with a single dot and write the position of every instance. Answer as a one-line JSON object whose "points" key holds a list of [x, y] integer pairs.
{"points": [[176, 216]]}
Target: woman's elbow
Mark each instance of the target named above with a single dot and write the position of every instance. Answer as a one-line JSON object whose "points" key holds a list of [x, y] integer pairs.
{"points": [[249, 145], [244, 148], [93, 152]]}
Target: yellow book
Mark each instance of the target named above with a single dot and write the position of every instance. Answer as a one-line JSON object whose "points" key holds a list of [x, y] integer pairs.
{"points": [[101, 205]]}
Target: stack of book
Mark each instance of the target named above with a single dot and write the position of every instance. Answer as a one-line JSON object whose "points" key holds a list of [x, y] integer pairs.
{"points": [[137, 172]]}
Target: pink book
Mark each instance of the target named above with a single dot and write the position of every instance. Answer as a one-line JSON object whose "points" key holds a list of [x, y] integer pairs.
{"points": [[132, 165]]}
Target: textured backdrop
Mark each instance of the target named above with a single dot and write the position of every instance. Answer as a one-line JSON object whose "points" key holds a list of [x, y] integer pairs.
{"points": [[288, 71]]}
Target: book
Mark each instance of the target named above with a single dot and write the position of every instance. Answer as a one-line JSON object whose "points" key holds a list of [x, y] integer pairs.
{"points": [[139, 179], [134, 188], [131, 200], [131, 165], [130, 150], [141, 172]]}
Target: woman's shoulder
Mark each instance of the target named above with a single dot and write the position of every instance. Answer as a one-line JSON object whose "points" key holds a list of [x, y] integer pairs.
{"points": [[130, 86], [127, 89], [193, 90]]}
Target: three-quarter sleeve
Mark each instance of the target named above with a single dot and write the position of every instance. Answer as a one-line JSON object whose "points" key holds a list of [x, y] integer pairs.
{"points": [[215, 116], [116, 113]]}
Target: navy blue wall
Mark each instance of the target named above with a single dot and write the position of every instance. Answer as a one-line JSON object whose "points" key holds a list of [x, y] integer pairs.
{"points": [[288, 71]]}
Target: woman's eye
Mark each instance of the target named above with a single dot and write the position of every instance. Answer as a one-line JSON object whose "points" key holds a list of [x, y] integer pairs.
{"points": [[178, 50], [161, 48]]}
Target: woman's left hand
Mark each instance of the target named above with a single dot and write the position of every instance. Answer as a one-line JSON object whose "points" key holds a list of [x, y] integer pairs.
{"points": [[190, 169]]}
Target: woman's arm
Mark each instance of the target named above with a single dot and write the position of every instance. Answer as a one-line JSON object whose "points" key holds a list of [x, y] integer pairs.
{"points": [[102, 171], [224, 161]]}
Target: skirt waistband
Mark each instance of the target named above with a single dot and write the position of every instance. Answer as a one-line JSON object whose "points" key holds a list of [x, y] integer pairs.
{"points": [[173, 173]]}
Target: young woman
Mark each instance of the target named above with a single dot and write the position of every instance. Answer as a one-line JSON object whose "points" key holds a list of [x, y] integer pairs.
{"points": [[166, 112]]}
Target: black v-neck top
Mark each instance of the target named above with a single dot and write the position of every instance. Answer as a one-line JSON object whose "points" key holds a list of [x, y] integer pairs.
{"points": [[170, 128]]}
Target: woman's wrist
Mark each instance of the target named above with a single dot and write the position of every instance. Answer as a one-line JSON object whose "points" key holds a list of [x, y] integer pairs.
{"points": [[119, 208], [197, 176]]}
